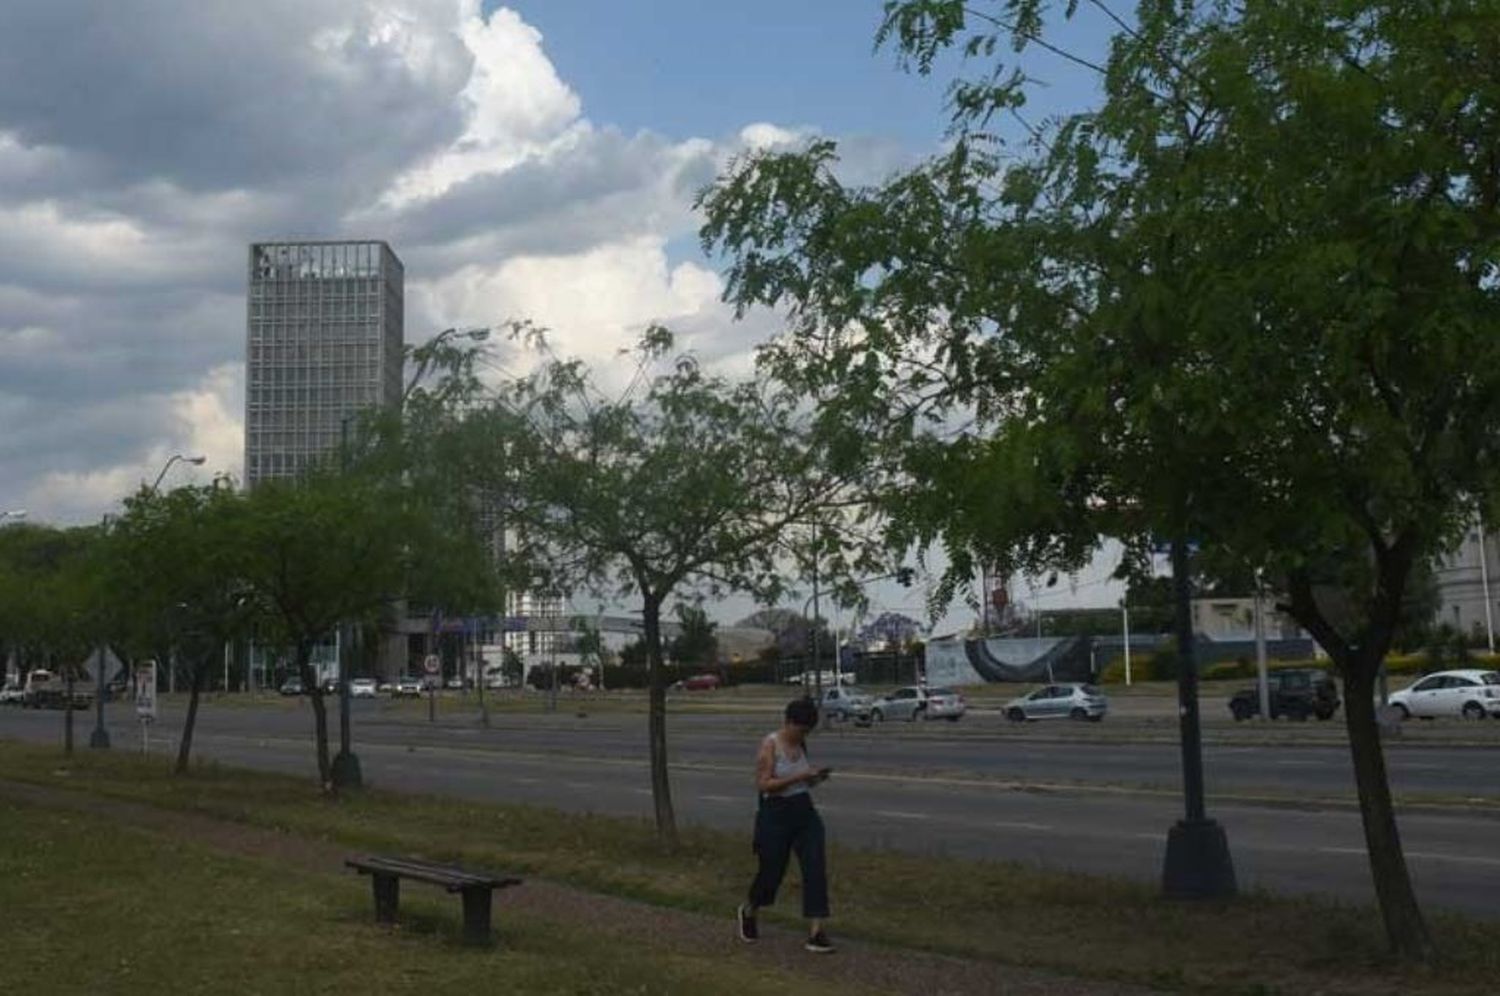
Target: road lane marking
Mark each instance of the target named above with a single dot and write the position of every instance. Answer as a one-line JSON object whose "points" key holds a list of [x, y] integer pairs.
{"points": [[580, 786], [719, 798], [900, 814], [1462, 859], [1010, 825], [524, 780]]}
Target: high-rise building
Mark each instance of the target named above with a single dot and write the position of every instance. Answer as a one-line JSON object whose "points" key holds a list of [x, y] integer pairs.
{"points": [[324, 343]]}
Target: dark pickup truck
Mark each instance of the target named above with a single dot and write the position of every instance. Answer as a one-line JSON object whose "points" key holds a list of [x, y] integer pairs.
{"points": [[1295, 693]]}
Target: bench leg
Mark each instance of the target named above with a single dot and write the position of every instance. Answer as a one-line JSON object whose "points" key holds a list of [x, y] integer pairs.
{"points": [[387, 897], [477, 915]]}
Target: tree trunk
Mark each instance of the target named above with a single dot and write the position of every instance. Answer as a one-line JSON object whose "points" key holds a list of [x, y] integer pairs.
{"points": [[1404, 926], [661, 786], [67, 713], [185, 746], [320, 713]]}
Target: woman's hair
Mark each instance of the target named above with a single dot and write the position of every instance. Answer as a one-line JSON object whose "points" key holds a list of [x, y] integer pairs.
{"points": [[803, 712]]}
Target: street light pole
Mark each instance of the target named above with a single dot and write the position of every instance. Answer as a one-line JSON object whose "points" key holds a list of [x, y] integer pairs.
{"points": [[99, 739], [196, 461], [1198, 864]]}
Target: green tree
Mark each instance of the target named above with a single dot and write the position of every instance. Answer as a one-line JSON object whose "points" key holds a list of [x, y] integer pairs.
{"points": [[319, 551], [178, 555], [50, 601], [1250, 299], [695, 643], [682, 486]]}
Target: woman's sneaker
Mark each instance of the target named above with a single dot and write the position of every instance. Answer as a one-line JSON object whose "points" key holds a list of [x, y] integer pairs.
{"points": [[819, 944], [749, 931]]}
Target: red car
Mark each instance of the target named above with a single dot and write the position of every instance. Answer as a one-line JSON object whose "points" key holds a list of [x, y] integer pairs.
{"points": [[701, 683]]}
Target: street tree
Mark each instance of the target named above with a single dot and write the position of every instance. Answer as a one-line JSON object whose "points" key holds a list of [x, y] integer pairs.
{"points": [[320, 550], [1250, 300], [695, 643], [177, 556], [681, 486]]}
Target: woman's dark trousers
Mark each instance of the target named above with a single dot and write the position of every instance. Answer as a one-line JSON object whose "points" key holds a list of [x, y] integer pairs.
{"points": [[781, 827]]}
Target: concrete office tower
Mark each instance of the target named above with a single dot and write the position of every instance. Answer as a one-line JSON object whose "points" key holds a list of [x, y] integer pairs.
{"points": [[324, 343]]}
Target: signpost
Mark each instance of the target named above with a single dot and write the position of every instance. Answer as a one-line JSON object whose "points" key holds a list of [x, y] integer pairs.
{"points": [[145, 700], [432, 666]]}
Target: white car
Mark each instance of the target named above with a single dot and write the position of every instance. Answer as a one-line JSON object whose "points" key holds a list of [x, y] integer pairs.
{"points": [[1059, 702], [362, 688], [1472, 694], [846, 704], [12, 695], [916, 702]]}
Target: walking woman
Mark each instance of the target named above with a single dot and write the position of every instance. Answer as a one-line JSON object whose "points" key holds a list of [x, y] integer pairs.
{"points": [[785, 822]]}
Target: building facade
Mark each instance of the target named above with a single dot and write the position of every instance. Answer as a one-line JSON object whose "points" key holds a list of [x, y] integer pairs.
{"points": [[324, 342], [1466, 581]]}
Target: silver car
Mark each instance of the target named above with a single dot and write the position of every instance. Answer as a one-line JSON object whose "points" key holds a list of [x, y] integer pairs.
{"points": [[1083, 702], [845, 704], [915, 702]]}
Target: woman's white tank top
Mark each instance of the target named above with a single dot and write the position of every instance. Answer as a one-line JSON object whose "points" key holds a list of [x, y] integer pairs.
{"points": [[786, 768]]}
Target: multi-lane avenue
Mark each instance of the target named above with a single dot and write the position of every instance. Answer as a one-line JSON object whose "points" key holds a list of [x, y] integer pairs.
{"points": [[983, 790]]}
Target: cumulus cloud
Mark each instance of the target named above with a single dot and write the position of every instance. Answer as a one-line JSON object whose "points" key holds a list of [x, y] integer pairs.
{"points": [[144, 145]]}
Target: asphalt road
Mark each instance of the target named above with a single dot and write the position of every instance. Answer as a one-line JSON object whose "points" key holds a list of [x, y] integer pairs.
{"points": [[932, 789]]}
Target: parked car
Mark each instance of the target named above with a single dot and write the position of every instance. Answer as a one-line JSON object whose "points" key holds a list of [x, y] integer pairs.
{"points": [[362, 688], [12, 695], [845, 704], [809, 678], [456, 684], [1295, 693], [47, 690], [916, 702], [1070, 701], [1472, 694], [407, 687], [699, 683], [291, 686]]}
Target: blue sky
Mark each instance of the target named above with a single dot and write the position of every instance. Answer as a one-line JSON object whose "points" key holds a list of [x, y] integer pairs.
{"points": [[687, 67], [532, 160]]}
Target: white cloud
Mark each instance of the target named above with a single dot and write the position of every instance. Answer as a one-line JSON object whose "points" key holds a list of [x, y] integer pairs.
{"points": [[593, 303], [137, 161]]}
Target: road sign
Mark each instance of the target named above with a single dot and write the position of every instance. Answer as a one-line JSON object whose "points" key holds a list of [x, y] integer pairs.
{"points": [[145, 692], [431, 664]]}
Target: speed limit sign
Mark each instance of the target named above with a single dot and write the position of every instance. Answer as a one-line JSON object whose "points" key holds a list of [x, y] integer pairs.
{"points": [[431, 664]]}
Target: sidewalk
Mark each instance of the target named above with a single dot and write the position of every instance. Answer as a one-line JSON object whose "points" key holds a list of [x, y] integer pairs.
{"points": [[861, 966]]}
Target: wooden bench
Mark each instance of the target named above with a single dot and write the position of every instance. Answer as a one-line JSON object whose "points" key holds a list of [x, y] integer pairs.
{"points": [[386, 875]]}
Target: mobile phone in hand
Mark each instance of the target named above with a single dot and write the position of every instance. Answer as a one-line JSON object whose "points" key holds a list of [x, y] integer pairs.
{"points": [[823, 774]]}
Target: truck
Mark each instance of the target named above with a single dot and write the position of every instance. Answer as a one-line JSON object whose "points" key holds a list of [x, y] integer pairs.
{"points": [[48, 690]]}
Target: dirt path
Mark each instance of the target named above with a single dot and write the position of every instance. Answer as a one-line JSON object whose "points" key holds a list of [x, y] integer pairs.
{"points": [[879, 969]]}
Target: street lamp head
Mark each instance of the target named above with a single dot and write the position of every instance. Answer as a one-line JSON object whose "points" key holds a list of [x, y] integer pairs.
{"points": [[196, 461], [15, 513]]}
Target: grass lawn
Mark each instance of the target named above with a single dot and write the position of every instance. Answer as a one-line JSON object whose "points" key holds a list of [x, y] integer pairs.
{"points": [[91, 907], [1075, 924]]}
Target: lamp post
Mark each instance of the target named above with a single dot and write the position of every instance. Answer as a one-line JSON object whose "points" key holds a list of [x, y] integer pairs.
{"points": [[1198, 865], [196, 461]]}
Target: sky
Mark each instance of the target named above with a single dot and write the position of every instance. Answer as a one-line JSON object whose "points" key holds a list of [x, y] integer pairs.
{"points": [[535, 160]]}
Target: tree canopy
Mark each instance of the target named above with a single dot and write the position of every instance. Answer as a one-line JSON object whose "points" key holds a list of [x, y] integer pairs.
{"points": [[1250, 300]]}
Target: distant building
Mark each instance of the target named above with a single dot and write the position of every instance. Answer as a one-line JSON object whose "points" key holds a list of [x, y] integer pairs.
{"points": [[1464, 579], [325, 334]]}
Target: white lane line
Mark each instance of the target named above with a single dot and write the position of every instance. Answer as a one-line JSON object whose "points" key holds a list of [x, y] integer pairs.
{"points": [[1146, 836], [524, 780], [902, 815], [1008, 825], [1462, 859], [638, 791], [719, 798]]}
